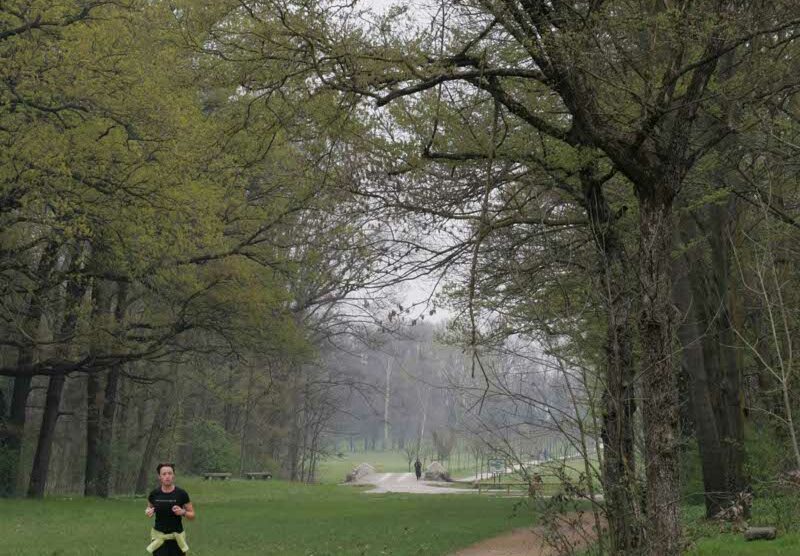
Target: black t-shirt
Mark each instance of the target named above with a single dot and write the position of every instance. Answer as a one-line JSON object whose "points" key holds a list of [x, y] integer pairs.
{"points": [[166, 521]]}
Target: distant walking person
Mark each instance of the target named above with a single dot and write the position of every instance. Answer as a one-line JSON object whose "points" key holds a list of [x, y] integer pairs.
{"points": [[169, 503], [418, 469]]}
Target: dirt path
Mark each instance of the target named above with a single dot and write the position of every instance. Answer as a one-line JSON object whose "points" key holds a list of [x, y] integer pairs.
{"points": [[527, 541]]}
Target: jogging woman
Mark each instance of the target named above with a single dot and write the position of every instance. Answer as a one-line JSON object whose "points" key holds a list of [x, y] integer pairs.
{"points": [[169, 504]]}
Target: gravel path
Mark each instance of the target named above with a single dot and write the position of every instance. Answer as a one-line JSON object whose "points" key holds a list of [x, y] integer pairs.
{"points": [[407, 483]]}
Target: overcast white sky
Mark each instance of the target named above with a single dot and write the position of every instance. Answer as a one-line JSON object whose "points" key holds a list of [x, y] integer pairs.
{"points": [[419, 290]]}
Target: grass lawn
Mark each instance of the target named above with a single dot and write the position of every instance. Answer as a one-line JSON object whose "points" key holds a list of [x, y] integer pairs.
{"points": [[262, 517], [780, 512], [735, 545]]}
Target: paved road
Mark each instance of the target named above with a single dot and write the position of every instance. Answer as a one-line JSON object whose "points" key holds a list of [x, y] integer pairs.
{"points": [[407, 482]]}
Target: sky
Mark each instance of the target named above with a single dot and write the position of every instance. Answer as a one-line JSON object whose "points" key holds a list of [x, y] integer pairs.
{"points": [[415, 291]]}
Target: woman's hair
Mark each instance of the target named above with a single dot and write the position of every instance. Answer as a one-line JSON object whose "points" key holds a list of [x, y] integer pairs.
{"points": [[160, 465]]}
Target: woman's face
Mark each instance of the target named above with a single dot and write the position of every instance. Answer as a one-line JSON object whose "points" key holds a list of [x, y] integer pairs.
{"points": [[166, 476]]}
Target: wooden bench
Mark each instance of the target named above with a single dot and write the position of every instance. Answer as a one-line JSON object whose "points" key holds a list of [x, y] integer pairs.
{"points": [[263, 475], [220, 476]]}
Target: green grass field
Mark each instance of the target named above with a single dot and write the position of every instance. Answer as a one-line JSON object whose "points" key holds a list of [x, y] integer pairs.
{"points": [[709, 540], [735, 545], [263, 517]]}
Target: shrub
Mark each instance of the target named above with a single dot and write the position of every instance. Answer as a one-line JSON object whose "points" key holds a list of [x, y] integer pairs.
{"points": [[213, 449]]}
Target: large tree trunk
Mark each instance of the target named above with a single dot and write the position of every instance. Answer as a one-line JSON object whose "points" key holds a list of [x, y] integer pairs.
{"points": [[106, 433], [705, 422], [729, 407], [713, 371], [658, 377], [102, 301], [123, 430], [41, 460], [11, 436], [11, 441], [94, 410], [622, 497], [76, 288], [101, 403]]}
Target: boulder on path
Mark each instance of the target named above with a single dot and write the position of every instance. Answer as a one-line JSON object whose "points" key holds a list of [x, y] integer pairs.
{"points": [[359, 471], [436, 472]]}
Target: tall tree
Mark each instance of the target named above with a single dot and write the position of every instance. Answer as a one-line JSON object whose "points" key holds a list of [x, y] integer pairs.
{"points": [[640, 83]]}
